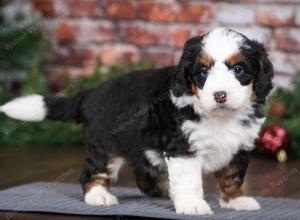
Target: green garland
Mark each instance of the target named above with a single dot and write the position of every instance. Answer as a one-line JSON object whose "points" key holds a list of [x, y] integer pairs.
{"points": [[291, 116]]}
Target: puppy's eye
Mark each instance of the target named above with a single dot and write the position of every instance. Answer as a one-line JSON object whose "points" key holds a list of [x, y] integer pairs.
{"points": [[204, 71], [238, 69]]}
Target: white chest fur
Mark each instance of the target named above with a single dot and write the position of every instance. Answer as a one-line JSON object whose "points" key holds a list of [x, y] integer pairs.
{"points": [[217, 139]]}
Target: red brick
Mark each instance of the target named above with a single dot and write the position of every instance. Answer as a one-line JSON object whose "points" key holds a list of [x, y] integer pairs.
{"points": [[283, 62], [155, 11], [177, 56], [194, 12], [116, 54], [288, 39], [159, 57], [97, 32], [294, 59], [72, 56], [261, 34], [120, 9], [84, 31], [235, 15], [201, 31], [278, 1], [56, 76], [275, 16], [179, 37], [246, 1], [261, 1], [46, 7], [142, 34], [86, 57], [283, 80], [78, 8], [297, 15], [65, 32]]}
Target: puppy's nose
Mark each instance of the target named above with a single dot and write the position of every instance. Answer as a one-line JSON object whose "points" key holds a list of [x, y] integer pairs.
{"points": [[220, 96]]}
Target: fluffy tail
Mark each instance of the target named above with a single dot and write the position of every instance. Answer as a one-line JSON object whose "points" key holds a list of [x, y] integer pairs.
{"points": [[39, 108]]}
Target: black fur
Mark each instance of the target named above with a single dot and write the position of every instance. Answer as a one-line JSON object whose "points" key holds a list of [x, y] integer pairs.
{"points": [[262, 69], [187, 67], [126, 118], [132, 113], [241, 162]]}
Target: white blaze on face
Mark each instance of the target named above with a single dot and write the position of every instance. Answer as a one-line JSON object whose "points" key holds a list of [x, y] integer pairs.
{"points": [[220, 44]]}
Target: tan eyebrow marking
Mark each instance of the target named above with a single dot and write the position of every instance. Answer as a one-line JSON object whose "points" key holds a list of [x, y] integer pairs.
{"points": [[206, 60], [235, 58]]}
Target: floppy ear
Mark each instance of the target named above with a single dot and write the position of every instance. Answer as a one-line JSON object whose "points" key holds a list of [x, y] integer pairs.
{"points": [[264, 73], [182, 84]]}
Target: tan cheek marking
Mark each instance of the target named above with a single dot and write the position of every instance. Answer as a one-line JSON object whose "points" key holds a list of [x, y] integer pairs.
{"points": [[194, 89], [235, 58], [206, 60], [230, 187]]}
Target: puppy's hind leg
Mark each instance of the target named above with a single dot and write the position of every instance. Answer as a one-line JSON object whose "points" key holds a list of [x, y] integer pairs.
{"points": [[99, 170], [152, 182]]}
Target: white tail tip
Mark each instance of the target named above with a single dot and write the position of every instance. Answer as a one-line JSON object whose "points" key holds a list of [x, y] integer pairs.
{"points": [[27, 108]]}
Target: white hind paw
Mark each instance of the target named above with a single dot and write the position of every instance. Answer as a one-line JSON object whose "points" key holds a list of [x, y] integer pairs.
{"points": [[99, 196], [241, 203]]}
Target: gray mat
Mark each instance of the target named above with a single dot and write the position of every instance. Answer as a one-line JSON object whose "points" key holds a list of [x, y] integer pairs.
{"points": [[67, 199]]}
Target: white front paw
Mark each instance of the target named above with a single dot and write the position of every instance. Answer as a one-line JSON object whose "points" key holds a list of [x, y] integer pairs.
{"points": [[99, 196], [192, 206], [241, 203]]}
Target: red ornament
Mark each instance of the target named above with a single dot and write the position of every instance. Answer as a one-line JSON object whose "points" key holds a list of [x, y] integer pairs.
{"points": [[274, 139]]}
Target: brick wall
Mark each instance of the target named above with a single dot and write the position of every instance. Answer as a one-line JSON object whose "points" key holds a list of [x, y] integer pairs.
{"points": [[128, 30]]}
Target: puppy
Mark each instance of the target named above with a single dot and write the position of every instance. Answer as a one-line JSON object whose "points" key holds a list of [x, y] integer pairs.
{"points": [[172, 124]]}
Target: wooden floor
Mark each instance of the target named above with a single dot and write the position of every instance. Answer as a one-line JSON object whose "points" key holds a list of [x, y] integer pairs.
{"points": [[20, 165]]}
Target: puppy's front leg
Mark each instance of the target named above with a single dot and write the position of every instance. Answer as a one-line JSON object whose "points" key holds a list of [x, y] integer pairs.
{"points": [[230, 181], [186, 190]]}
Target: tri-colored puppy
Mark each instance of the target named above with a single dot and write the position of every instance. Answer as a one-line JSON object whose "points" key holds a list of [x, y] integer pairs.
{"points": [[171, 124]]}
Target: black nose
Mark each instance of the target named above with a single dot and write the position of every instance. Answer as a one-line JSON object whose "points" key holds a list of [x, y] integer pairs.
{"points": [[220, 96]]}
